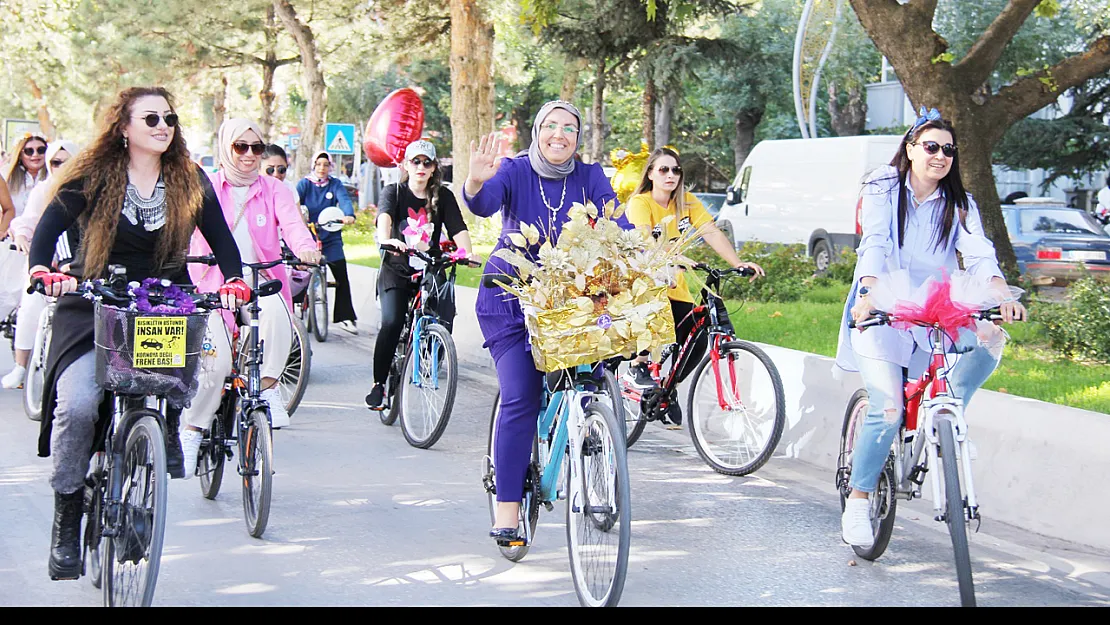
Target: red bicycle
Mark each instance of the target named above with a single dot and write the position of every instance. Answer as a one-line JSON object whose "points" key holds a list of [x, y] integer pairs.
{"points": [[736, 405]]}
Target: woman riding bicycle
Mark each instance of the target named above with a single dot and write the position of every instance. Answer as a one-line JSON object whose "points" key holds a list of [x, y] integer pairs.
{"points": [[916, 217], [25, 171], [405, 220], [138, 198], [660, 194], [536, 187], [260, 211]]}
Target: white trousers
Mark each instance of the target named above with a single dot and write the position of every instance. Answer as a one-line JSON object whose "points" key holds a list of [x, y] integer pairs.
{"points": [[275, 330], [31, 306]]}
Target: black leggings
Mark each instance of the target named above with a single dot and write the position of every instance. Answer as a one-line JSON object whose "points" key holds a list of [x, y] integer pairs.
{"points": [[395, 305], [683, 324], [344, 309]]}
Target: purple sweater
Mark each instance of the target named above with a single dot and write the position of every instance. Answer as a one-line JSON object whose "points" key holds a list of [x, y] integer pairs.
{"points": [[515, 191]]}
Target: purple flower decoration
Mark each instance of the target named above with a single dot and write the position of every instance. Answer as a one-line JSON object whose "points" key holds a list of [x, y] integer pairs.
{"points": [[604, 321], [175, 300]]}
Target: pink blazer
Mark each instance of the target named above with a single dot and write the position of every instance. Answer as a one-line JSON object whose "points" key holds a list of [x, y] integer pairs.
{"points": [[272, 215]]}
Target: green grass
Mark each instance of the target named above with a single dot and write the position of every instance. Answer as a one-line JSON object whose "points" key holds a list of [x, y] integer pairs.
{"points": [[360, 249]]}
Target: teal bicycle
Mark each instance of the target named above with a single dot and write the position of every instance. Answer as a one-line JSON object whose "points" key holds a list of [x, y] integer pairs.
{"points": [[579, 456]]}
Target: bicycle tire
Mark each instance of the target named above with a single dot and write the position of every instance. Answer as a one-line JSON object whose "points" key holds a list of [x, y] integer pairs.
{"points": [[298, 367], [138, 534], [36, 369], [422, 432], [612, 388], [606, 589], [213, 458], [631, 414], [319, 304], [954, 508], [392, 382], [92, 565], [700, 428], [257, 462], [530, 502], [884, 504]]}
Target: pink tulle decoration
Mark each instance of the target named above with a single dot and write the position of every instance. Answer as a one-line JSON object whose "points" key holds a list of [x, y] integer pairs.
{"points": [[939, 308]]}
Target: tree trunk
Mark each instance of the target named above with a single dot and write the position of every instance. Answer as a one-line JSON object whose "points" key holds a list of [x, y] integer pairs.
{"points": [[219, 110], [664, 113], [569, 87], [43, 114], [266, 95], [977, 174], [649, 113], [744, 134], [597, 114], [315, 88], [851, 119], [472, 94]]}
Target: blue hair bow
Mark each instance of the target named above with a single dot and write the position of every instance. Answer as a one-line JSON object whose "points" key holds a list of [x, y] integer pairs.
{"points": [[923, 118]]}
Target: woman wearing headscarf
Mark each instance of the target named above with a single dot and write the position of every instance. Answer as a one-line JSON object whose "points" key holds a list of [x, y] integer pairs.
{"points": [[320, 190], [260, 211], [22, 229], [536, 187]]}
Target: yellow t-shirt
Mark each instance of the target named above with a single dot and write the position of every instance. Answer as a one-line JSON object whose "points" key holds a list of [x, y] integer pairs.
{"points": [[645, 212]]}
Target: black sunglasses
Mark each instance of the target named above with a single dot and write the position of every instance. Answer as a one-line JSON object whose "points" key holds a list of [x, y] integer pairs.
{"points": [[422, 162], [663, 169], [241, 148], [932, 147], [56, 163], [32, 151], [153, 118], [281, 169]]}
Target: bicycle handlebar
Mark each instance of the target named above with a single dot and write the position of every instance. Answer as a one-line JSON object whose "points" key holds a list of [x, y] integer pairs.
{"points": [[206, 301], [287, 259], [428, 258], [881, 318], [720, 273]]}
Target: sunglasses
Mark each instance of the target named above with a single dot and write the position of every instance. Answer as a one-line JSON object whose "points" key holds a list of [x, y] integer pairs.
{"points": [[281, 169], [932, 147], [422, 162], [56, 163], [567, 130], [32, 151], [666, 170], [153, 118], [255, 148]]}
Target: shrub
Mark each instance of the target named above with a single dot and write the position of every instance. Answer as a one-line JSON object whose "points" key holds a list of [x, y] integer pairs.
{"points": [[789, 274], [1081, 328]]}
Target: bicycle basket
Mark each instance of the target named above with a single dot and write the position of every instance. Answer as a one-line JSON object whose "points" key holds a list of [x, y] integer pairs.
{"points": [[147, 353], [437, 294]]}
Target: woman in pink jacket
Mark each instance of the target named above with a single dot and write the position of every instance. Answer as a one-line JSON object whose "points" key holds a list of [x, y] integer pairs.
{"points": [[260, 211]]}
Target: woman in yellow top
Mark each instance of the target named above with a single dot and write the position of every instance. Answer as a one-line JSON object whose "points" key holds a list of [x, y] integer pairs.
{"points": [[661, 193]]}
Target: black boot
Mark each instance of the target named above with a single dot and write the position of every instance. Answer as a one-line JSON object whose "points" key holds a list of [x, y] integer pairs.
{"points": [[65, 539], [175, 458]]}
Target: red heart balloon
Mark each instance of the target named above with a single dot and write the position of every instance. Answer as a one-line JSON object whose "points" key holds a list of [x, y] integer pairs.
{"points": [[397, 122]]}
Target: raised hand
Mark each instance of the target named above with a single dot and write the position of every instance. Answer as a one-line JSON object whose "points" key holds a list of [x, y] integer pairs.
{"points": [[484, 162]]}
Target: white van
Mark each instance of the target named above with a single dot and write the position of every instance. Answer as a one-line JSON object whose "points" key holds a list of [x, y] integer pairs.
{"points": [[805, 191]]}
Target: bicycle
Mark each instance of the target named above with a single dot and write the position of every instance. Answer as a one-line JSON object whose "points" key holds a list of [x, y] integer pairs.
{"points": [[125, 490], [423, 375], [736, 403], [579, 445], [36, 364], [243, 418], [314, 310], [934, 424]]}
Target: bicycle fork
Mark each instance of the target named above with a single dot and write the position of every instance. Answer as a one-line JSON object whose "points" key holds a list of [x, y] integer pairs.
{"points": [[577, 497], [947, 411]]}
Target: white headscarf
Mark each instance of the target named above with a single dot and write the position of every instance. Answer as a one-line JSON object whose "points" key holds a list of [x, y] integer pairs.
{"points": [[541, 165]]}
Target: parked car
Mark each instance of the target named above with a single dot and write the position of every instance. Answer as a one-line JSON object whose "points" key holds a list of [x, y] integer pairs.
{"points": [[713, 203], [1052, 242], [805, 191]]}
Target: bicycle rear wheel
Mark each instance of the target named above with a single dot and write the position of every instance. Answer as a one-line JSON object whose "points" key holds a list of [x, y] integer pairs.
{"points": [[36, 369], [530, 503], [427, 390], [213, 454], [626, 410], [294, 378], [318, 287], [954, 515], [257, 463], [132, 558], [884, 504], [737, 423], [599, 514]]}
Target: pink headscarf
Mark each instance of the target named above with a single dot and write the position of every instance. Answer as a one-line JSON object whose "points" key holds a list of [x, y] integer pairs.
{"points": [[230, 131]]}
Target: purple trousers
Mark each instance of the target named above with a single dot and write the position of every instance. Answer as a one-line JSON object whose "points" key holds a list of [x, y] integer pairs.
{"points": [[515, 429]]}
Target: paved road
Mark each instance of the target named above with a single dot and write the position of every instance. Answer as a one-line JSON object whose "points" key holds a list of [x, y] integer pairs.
{"points": [[361, 518]]}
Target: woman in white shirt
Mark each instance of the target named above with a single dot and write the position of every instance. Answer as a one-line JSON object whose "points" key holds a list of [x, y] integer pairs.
{"points": [[916, 217]]}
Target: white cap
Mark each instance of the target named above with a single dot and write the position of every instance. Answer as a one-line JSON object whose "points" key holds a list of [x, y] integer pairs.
{"points": [[420, 148]]}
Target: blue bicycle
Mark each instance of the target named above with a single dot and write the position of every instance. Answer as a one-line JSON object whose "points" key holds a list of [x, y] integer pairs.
{"points": [[578, 455]]}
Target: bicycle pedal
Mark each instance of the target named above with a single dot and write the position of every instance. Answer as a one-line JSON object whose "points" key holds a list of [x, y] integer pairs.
{"points": [[548, 506]]}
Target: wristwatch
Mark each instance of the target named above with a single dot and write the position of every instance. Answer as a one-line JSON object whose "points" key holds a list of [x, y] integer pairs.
{"points": [[864, 290]]}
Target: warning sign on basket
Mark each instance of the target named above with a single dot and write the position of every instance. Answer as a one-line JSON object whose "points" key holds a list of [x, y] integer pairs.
{"points": [[159, 342]]}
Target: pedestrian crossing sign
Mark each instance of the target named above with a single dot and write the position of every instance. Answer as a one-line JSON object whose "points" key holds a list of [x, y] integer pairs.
{"points": [[339, 139]]}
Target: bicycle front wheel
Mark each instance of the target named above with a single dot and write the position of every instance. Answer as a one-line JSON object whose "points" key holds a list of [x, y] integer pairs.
{"points": [[954, 515], [36, 369], [737, 409], [132, 558], [428, 384], [257, 470], [210, 465], [294, 378], [318, 287], [599, 509]]}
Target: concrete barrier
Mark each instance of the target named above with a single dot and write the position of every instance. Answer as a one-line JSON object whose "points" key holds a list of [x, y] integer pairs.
{"points": [[1040, 466]]}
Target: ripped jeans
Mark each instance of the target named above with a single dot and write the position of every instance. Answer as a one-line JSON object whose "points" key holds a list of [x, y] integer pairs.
{"points": [[883, 380]]}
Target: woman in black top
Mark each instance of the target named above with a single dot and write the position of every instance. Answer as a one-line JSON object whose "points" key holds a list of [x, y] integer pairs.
{"points": [[137, 198], [405, 220]]}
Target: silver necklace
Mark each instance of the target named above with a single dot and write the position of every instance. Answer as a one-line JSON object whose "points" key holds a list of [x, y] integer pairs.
{"points": [[152, 212], [554, 209]]}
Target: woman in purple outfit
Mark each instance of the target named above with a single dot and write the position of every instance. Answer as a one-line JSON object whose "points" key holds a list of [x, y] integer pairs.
{"points": [[536, 187]]}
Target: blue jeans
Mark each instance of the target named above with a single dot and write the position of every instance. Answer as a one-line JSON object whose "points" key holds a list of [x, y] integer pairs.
{"points": [[883, 380]]}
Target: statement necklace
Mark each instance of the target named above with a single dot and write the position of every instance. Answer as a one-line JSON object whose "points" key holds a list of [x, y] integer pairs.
{"points": [[554, 209]]}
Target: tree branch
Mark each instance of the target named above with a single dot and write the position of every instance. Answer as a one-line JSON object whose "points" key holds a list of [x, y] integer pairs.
{"points": [[1034, 92], [902, 32], [980, 61]]}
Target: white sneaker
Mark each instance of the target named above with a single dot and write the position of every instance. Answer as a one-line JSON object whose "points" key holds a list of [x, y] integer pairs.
{"points": [[349, 326], [190, 449], [279, 418], [15, 377], [855, 523]]}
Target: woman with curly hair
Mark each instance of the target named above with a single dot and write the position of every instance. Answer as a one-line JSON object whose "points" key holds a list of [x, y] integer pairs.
{"points": [[137, 198]]}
